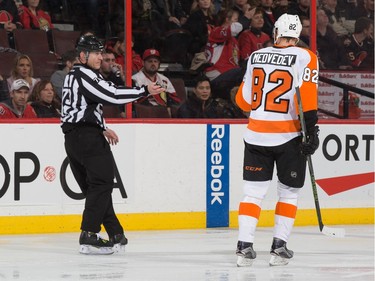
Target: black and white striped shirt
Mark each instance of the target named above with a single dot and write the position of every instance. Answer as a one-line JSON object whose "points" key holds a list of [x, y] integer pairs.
{"points": [[84, 93]]}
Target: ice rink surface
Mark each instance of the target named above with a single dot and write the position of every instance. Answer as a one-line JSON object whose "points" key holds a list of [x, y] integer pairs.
{"points": [[190, 255]]}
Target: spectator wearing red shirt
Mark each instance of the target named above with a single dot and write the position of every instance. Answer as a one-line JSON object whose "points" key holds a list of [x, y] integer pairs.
{"points": [[253, 38], [222, 52], [17, 106], [32, 17], [9, 19]]}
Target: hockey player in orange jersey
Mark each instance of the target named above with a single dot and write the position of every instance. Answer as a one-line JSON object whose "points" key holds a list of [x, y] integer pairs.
{"points": [[273, 135]]}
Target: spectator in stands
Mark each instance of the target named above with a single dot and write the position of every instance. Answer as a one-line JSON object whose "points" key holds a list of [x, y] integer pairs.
{"points": [[44, 100], [359, 47], [23, 69], [337, 18], [304, 38], [173, 13], [200, 22], [32, 17], [149, 74], [253, 38], [269, 16], [280, 7], [4, 91], [69, 58], [118, 48], [110, 69], [222, 52], [300, 8], [330, 51], [201, 104], [147, 23], [245, 9], [137, 62], [9, 18], [16, 106], [113, 72], [365, 8]]}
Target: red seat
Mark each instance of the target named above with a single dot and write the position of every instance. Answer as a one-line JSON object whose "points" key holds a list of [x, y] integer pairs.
{"points": [[4, 41], [29, 41], [149, 111], [179, 86], [44, 65], [63, 40], [6, 63]]}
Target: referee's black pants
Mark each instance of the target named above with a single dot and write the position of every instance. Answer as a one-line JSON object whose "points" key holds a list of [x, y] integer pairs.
{"points": [[92, 164]]}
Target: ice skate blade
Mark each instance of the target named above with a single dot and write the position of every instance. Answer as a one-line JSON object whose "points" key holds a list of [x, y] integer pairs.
{"points": [[244, 262], [277, 261], [118, 248], [91, 250]]}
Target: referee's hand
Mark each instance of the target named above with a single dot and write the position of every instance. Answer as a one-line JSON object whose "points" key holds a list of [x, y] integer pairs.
{"points": [[155, 88], [111, 136]]}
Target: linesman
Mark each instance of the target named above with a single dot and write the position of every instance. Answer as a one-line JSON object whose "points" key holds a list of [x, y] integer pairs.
{"points": [[87, 140]]}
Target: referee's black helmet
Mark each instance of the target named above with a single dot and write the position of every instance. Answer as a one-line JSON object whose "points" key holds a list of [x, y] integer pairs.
{"points": [[89, 43]]}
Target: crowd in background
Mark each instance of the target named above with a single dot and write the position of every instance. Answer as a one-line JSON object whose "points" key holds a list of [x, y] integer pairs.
{"points": [[212, 38]]}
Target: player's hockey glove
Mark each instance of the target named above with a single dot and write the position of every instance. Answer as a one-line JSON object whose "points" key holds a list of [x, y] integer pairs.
{"points": [[312, 141]]}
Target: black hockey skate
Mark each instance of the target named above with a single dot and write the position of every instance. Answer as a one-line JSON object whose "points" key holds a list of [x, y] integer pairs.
{"points": [[280, 254], [245, 254], [119, 241], [92, 244]]}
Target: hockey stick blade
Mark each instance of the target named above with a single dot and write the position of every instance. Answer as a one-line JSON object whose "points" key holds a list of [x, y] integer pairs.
{"points": [[333, 232]]}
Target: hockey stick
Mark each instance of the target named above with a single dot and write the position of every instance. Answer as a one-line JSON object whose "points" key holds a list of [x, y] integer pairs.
{"points": [[329, 231]]}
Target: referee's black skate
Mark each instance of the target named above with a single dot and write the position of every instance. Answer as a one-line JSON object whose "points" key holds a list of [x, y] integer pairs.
{"points": [[92, 244], [245, 254], [119, 241], [280, 254]]}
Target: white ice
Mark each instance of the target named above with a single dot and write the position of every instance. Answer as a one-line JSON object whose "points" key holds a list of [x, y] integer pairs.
{"points": [[190, 255]]}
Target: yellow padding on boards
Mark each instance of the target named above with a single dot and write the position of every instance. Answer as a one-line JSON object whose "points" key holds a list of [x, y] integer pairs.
{"points": [[72, 223], [308, 217], [183, 220]]}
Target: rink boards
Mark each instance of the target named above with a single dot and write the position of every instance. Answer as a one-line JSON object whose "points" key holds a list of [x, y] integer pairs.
{"points": [[176, 175]]}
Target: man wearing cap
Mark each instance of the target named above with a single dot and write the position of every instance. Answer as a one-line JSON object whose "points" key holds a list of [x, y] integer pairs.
{"points": [[149, 74], [17, 106], [87, 140]]}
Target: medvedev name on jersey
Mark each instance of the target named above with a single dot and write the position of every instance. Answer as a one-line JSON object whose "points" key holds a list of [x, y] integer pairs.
{"points": [[271, 58]]}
